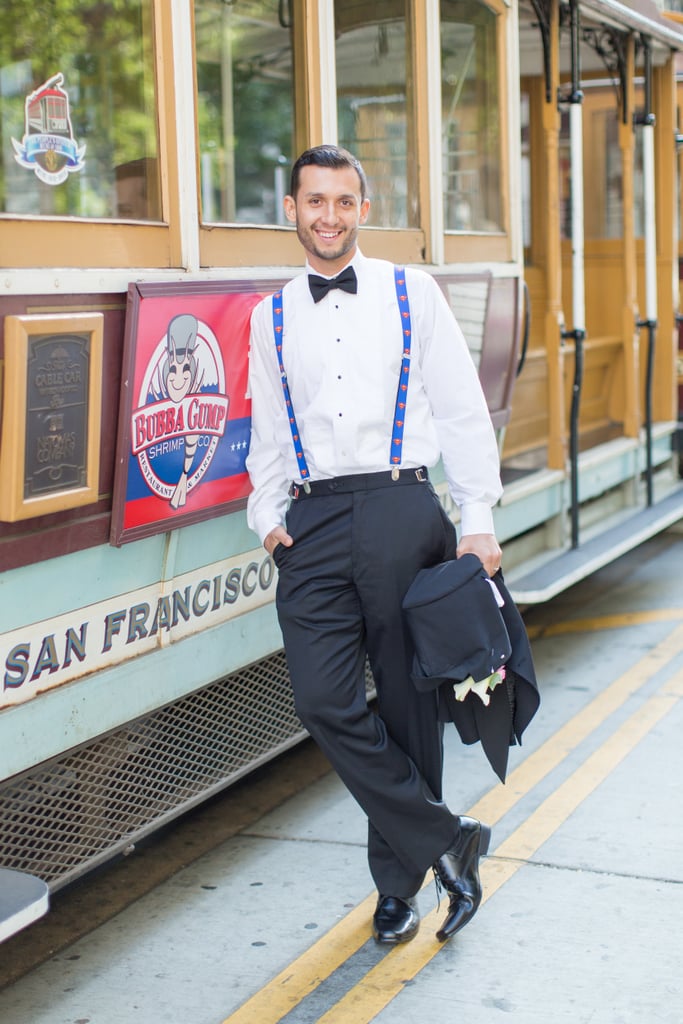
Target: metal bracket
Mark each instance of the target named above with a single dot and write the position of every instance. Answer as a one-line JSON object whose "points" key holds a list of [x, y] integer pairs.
{"points": [[647, 116], [542, 9], [569, 16], [611, 45]]}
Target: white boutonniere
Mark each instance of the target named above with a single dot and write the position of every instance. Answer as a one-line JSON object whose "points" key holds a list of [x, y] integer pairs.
{"points": [[483, 688]]}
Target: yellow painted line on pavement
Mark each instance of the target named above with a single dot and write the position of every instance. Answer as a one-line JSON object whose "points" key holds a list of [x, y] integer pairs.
{"points": [[600, 622], [287, 989], [499, 800], [556, 808], [301, 977], [385, 981]]}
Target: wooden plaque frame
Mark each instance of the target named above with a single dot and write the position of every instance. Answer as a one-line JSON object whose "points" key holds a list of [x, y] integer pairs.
{"points": [[22, 333]]}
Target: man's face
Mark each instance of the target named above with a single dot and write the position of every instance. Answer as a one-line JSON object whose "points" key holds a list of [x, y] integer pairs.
{"points": [[328, 211]]}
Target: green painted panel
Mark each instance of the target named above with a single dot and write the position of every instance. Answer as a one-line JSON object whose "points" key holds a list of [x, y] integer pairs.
{"points": [[517, 517], [36, 592], [208, 542]]}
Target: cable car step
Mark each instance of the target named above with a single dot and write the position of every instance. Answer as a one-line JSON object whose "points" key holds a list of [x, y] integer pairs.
{"points": [[23, 899], [569, 567]]}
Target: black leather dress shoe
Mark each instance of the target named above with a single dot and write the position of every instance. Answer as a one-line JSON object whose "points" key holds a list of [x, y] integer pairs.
{"points": [[458, 872], [395, 920]]}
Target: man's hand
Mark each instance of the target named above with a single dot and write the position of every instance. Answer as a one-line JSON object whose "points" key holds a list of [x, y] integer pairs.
{"points": [[277, 536], [485, 547]]}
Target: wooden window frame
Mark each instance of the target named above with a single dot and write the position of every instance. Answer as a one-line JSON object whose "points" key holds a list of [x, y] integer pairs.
{"points": [[465, 246], [75, 242], [223, 245], [182, 241], [237, 245], [230, 245]]}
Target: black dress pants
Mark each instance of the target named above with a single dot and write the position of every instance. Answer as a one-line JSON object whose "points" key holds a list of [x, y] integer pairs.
{"points": [[339, 597]]}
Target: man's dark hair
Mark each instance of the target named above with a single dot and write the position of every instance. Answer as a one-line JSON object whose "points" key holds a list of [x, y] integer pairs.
{"points": [[328, 156]]}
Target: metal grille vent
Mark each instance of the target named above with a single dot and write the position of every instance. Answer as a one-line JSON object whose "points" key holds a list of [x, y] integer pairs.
{"points": [[66, 815]]}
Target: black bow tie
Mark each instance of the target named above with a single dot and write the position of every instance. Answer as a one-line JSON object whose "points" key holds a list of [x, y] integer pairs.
{"points": [[320, 286]]}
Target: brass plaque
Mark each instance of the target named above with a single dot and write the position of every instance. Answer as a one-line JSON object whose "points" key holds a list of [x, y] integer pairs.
{"points": [[57, 394], [51, 415]]}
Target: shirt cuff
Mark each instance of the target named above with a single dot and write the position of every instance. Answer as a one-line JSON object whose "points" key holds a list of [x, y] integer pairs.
{"points": [[263, 520], [263, 527], [476, 517]]}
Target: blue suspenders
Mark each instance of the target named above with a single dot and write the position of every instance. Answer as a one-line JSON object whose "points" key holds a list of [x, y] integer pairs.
{"points": [[401, 392], [296, 436]]}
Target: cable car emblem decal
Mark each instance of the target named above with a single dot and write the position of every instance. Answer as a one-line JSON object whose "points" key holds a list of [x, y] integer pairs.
{"points": [[48, 147]]}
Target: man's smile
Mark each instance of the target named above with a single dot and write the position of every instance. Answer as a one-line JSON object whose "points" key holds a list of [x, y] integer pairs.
{"points": [[328, 210]]}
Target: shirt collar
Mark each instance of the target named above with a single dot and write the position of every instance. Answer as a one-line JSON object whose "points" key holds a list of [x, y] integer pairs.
{"points": [[355, 262]]}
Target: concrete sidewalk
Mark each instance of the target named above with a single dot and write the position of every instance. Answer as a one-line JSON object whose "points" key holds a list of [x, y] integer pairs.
{"points": [[584, 888]]}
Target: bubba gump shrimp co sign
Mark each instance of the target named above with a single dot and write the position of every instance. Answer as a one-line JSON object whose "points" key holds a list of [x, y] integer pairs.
{"points": [[185, 417]]}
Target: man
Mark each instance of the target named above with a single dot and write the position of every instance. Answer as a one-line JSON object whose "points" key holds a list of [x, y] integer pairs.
{"points": [[336, 430]]}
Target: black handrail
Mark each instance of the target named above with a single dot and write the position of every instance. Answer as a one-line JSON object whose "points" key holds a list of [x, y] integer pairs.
{"points": [[649, 375], [525, 330], [579, 337]]}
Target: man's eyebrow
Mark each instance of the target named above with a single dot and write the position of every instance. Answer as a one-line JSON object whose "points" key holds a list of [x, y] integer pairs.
{"points": [[321, 195]]}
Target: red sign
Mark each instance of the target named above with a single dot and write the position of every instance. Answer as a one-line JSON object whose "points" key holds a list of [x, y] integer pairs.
{"points": [[184, 421]]}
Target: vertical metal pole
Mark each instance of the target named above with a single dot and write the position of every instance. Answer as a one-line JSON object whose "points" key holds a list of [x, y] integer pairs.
{"points": [[576, 154], [186, 128], [229, 203], [578, 333], [650, 232]]}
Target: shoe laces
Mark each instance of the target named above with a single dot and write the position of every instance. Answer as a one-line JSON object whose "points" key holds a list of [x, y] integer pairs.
{"points": [[439, 887]]}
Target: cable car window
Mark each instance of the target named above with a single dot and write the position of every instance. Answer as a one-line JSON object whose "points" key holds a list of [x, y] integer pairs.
{"points": [[78, 124], [374, 108], [471, 133], [245, 102]]}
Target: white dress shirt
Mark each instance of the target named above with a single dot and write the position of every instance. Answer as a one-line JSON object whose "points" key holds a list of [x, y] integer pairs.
{"points": [[342, 357]]}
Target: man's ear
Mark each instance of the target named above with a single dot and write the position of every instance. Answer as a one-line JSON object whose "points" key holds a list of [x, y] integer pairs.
{"points": [[290, 208], [364, 211]]}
